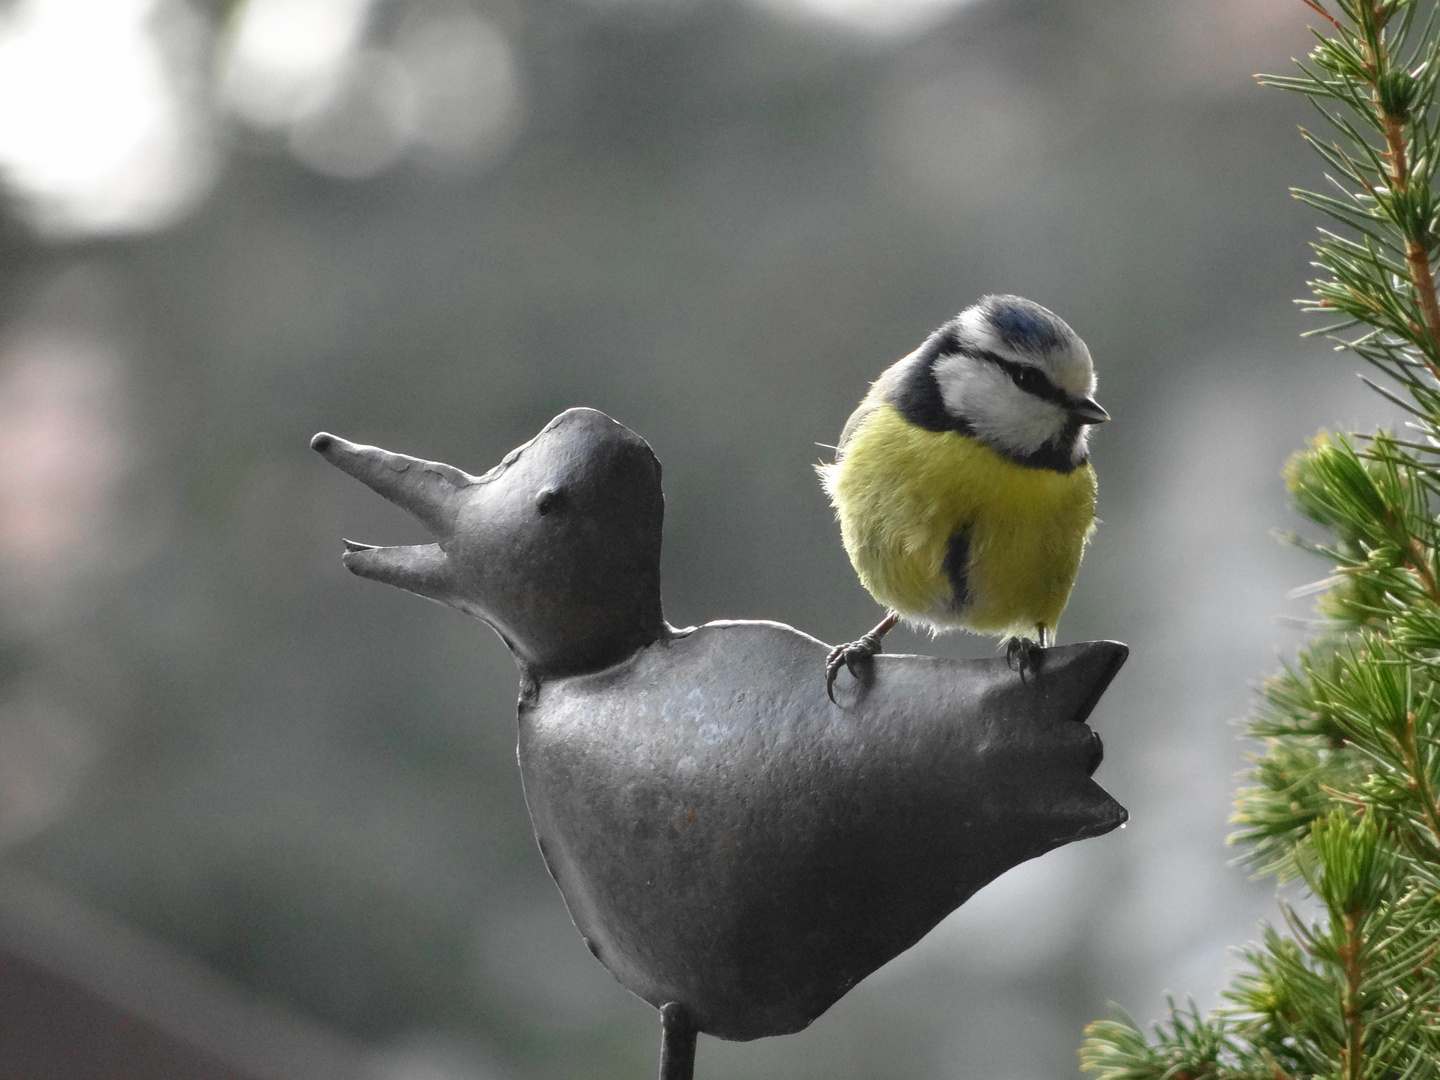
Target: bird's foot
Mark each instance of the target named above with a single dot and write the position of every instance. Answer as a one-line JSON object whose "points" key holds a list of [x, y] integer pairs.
{"points": [[1023, 654], [847, 656]]}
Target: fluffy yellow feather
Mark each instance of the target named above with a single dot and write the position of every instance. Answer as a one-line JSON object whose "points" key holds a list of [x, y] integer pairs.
{"points": [[963, 481], [901, 492]]}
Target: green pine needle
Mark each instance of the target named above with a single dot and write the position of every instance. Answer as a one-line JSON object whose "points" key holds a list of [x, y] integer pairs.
{"points": [[1344, 793]]}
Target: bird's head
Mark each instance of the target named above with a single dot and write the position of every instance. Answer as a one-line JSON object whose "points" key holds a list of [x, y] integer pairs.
{"points": [[1015, 376]]}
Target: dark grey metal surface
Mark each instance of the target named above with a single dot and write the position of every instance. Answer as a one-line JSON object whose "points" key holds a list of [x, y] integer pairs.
{"points": [[677, 1042], [557, 547], [727, 839]]}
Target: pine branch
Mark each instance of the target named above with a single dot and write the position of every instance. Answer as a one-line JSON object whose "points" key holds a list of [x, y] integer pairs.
{"points": [[1343, 794]]}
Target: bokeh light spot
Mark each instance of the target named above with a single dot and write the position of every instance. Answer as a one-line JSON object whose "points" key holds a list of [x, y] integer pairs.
{"points": [[94, 137], [444, 86], [467, 88], [286, 57], [873, 18]]}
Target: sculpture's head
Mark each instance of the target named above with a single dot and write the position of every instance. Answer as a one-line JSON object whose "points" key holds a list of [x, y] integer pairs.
{"points": [[557, 547]]}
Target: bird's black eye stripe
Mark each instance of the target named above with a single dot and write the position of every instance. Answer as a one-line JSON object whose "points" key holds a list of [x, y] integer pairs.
{"points": [[1030, 379], [915, 394]]}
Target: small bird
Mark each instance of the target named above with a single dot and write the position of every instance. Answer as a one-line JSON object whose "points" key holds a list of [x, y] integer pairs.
{"points": [[963, 481]]}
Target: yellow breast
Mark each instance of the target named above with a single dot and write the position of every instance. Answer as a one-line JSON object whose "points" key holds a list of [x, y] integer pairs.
{"points": [[902, 492]]}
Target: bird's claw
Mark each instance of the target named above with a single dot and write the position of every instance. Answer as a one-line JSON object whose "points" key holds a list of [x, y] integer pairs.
{"points": [[1023, 655], [847, 656]]}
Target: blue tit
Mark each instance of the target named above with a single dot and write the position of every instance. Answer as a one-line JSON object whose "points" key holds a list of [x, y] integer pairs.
{"points": [[963, 481]]}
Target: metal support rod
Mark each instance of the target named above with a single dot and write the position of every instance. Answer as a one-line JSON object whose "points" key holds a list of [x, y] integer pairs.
{"points": [[677, 1042]]}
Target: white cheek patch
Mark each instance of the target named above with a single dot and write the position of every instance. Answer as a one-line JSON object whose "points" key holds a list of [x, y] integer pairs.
{"points": [[962, 379], [1017, 421], [1000, 412]]}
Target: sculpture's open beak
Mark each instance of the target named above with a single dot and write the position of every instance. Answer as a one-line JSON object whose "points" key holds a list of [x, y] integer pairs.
{"points": [[429, 491]]}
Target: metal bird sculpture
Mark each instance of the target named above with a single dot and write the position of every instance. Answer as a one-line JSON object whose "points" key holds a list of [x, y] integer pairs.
{"points": [[737, 849]]}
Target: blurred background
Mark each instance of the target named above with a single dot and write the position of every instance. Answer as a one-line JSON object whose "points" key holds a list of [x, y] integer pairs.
{"points": [[261, 819]]}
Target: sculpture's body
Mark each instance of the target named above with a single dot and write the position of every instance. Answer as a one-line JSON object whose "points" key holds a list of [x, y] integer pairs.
{"points": [[733, 846], [728, 838]]}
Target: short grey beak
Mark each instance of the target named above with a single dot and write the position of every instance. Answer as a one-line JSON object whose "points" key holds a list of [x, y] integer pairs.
{"points": [[1088, 411]]}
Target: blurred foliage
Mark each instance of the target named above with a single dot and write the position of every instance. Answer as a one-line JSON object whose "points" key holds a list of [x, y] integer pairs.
{"points": [[1346, 794], [223, 10]]}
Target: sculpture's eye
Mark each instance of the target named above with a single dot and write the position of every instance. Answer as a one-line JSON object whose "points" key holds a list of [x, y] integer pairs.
{"points": [[546, 499]]}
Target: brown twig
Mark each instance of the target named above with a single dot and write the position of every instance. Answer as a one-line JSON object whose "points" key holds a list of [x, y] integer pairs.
{"points": [[1420, 566], [1314, 6], [1419, 781], [1417, 257], [1353, 1052]]}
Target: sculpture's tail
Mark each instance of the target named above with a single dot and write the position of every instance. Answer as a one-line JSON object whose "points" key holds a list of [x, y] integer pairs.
{"points": [[1074, 677], [1065, 691]]}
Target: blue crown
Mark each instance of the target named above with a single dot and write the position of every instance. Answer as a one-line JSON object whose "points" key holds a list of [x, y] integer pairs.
{"points": [[1024, 323]]}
